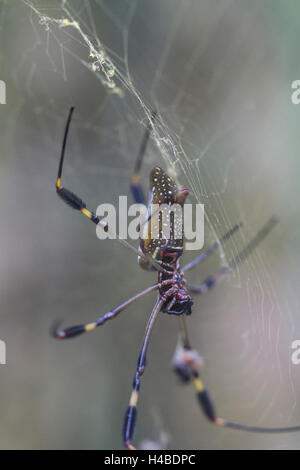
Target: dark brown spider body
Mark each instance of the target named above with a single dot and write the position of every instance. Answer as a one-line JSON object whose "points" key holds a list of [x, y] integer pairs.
{"points": [[166, 198], [162, 227]]}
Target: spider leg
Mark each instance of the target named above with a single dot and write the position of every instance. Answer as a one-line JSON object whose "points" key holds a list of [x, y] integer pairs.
{"points": [[77, 330], [136, 188], [188, 369], [184, 333], [131, 412], [214, 279], [209, 412], [214, 247]]}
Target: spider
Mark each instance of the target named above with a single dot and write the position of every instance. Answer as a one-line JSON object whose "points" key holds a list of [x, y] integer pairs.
{"points": [[163, 256]]}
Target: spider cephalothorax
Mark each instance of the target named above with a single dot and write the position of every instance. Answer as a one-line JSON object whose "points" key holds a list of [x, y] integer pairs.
{"points": [[177, 300], [180, 306]]}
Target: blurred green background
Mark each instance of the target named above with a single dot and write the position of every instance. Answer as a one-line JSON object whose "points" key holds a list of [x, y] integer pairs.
{"points": [[219, 73]]}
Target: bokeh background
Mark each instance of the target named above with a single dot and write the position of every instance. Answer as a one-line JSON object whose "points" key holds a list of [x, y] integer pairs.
{"points": [[219, 74]]}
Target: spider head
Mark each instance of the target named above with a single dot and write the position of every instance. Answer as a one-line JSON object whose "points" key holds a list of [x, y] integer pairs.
{"points": [[182, 305]]}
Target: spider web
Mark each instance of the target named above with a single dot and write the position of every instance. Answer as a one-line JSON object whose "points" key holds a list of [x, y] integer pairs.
{"points": [[211, 72]]}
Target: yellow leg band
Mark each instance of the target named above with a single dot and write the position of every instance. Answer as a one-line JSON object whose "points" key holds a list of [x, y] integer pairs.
{"points": [[199, 385], [135, 179], [87, 213], [90, 326], [134, 398]]}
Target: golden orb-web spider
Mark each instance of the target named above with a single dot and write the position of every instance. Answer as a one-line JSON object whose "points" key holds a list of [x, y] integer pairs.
{"points": [[173, 292]]}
